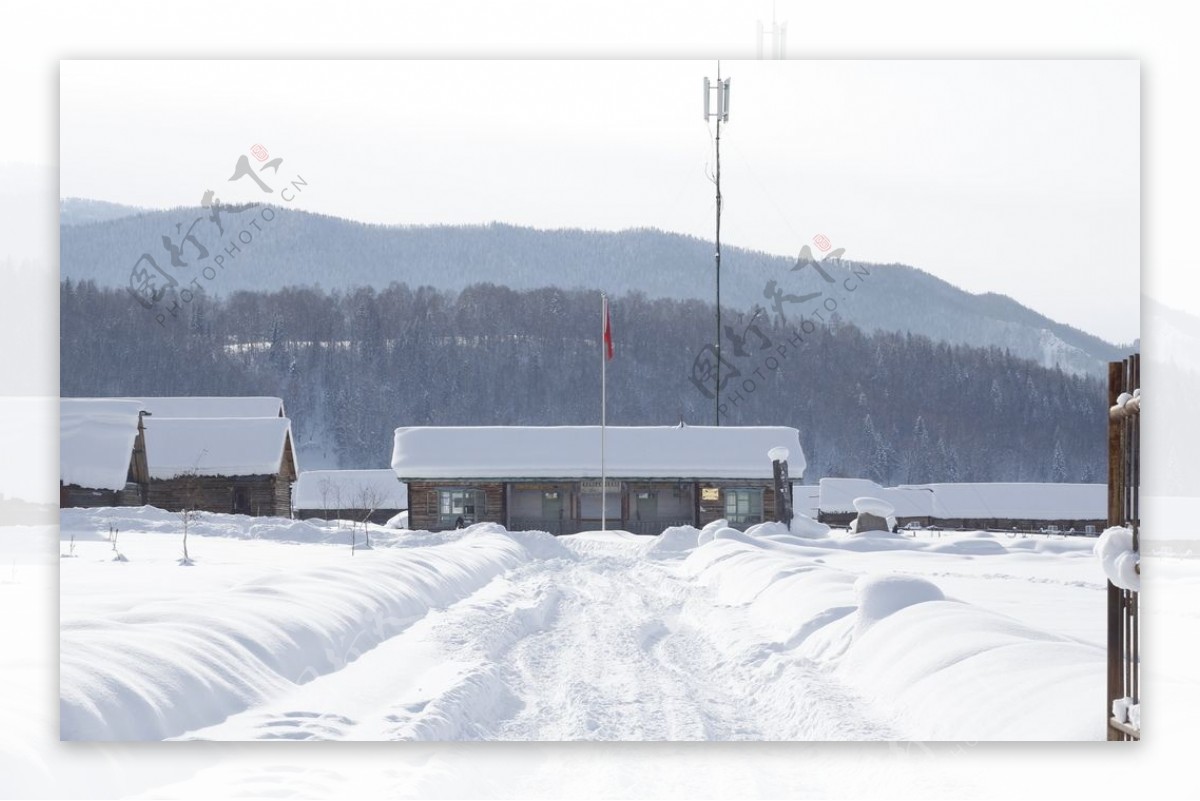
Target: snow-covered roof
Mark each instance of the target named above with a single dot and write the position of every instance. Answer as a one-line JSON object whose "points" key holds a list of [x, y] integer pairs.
{"points": [[1012, 501], [96, 439], [1019, 501], [806, 498], [330, 489], [230, 446], [512, 452], [838, 494], [203, 406]]}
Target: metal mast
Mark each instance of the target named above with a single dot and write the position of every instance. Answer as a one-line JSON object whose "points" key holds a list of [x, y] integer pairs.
{"points": [[722, 115]]}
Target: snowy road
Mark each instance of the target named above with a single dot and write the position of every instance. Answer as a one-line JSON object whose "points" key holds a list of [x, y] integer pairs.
{"points": [[278, 632], [598, 643]]}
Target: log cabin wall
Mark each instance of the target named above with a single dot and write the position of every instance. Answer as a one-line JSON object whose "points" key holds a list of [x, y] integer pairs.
{"points": [[379, 516], [262, 495], [423, 511], [73, 496], [708, 511]]}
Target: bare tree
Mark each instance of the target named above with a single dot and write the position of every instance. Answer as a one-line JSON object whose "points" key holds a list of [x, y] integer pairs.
{"points": [[189, 493], [368, 499], [326, 487]]}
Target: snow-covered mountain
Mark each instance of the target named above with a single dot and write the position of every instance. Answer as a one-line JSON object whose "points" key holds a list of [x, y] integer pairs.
{"points": [[102, 242]]}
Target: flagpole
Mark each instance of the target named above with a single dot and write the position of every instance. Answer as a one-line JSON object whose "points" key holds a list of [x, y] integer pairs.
{"points": [[603, 409]]}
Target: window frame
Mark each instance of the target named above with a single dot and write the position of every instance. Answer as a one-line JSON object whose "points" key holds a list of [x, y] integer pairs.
{"points": [[448, 512], [753, 497]]}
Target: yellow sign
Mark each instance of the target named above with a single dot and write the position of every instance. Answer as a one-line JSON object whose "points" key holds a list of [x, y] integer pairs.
{"points": [[710, 494]]}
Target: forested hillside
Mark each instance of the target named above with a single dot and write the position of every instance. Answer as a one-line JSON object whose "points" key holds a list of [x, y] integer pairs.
{"points": [[298, 248], [353, 365]]}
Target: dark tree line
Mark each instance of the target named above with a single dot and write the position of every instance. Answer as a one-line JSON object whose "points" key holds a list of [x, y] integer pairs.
{"points": [[352, 365]]}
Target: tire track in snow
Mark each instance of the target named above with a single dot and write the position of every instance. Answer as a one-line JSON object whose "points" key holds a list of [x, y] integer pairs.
{"points": [[630, 658], [615, 666], [437, 680], [601, 644]]}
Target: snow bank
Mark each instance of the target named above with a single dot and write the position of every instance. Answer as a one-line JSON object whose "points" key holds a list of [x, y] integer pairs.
{"points": [[673, 542], [941, 669], [173, 664], [805, 526], [880, 596], [950, 670], [1118, 559], [977, 546], [92, 524], [709, 531]]}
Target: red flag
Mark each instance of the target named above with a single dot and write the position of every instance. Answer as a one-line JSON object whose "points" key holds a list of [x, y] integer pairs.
{"points": [[608, 344]]}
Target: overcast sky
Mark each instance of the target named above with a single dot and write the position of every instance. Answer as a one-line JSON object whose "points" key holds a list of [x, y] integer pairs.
{"points": [[1019, 177]]}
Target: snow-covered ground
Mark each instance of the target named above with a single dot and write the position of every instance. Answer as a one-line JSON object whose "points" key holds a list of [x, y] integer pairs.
{"points": [[280, 631]]}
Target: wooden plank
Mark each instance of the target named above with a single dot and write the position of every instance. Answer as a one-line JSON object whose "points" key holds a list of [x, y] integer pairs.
{"points": [[1115, 645]]}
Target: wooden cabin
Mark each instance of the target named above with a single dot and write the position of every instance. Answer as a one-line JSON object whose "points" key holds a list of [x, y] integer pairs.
{"points": [[102, 453], [236, 465], [375, 496], [549, 478]]}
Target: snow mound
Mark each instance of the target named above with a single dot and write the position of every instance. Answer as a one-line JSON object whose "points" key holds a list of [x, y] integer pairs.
{"points": [[880, 596], [1071, 546], [673, 542], [970, 546], [709, 532], [168, 665], [805, 526], [542, 545], [1118, 559], [866, 541], [953, 670], [93, 524], [399, 521], [768, 530], [734, 534], [941, 669]]}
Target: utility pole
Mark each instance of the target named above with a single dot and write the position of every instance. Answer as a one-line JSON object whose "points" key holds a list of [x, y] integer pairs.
{"points": [[722, 115]]}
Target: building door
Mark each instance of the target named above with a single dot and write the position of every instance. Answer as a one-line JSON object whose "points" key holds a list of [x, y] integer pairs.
{"points": [[646, 507], [552, 508], [241, 501], [590, 499]]}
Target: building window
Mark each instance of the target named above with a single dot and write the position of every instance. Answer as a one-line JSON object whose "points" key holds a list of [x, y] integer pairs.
{"points": [[743, 506], [457, 506]]}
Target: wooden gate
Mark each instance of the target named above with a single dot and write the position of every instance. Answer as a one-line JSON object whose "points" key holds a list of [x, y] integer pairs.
{"points": [[1124, 479]]}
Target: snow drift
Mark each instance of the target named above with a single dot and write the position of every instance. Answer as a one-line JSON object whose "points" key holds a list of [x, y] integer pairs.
{"points": [[173, 664]]}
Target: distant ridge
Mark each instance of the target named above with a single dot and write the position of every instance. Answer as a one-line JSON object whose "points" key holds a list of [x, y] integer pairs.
{"points": [[101, 242]]}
